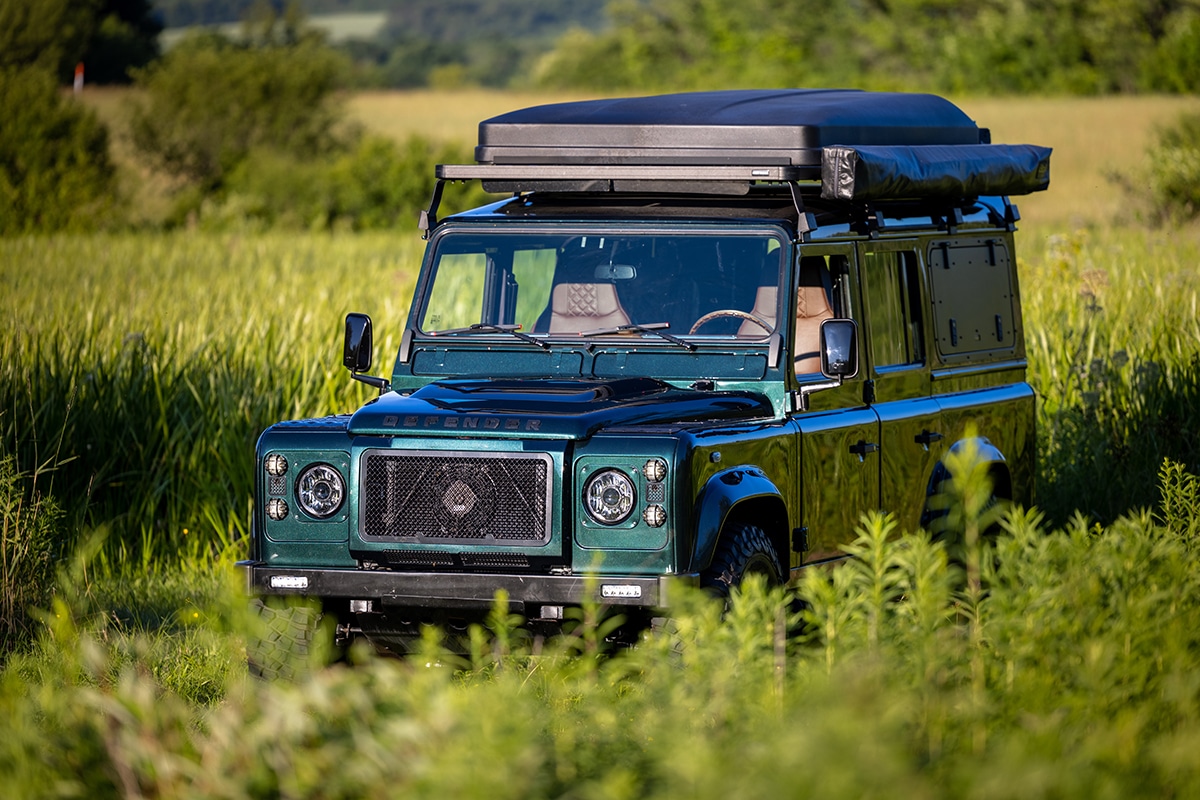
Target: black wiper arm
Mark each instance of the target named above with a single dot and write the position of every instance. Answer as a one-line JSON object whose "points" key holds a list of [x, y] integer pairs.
{"points": [[488, 327], [656, 328]]}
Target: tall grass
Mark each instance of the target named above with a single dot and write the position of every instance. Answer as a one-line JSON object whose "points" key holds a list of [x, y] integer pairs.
{"points": [[1113, 332], [141, 369]]}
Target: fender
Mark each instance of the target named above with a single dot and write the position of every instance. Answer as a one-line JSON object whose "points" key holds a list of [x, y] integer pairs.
{"points": [[987, 453], [724, 491]]}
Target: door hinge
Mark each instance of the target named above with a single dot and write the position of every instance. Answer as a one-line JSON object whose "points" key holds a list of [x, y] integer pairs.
{"points": [[800, 540]]}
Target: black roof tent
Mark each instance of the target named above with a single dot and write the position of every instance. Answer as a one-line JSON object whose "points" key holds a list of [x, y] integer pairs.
{"points": [[863, 146], [786, 127]]}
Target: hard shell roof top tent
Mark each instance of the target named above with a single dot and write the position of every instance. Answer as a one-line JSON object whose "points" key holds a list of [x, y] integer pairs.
{"points": [[848, 144]]}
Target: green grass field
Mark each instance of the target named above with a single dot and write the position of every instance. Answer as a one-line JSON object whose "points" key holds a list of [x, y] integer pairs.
{"points": [[140, 368]]}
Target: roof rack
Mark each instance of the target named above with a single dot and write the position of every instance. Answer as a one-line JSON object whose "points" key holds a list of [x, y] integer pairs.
{"points": [[853, 145]]}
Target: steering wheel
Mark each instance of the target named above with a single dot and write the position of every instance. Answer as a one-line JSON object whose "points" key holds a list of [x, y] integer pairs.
{"points": [[729, 312]]}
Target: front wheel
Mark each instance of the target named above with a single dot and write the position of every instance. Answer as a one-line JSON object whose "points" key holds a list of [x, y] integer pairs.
{"points": [[745, 549]]}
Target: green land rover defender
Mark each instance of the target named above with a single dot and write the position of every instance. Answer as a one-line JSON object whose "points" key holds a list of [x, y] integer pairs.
{"points": [[700, 337]]}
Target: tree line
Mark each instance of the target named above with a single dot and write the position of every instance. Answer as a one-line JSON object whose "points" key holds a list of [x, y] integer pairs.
{"points": [[989, 46]]}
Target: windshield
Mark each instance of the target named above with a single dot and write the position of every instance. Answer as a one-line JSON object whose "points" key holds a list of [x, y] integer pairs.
{"points": [[698, 284]]}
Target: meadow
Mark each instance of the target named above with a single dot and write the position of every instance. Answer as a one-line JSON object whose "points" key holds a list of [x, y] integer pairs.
{"points": [[140, 367]]}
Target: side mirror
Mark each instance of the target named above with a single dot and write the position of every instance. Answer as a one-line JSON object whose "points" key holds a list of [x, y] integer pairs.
{"points": [[357, 349], [839, 348]]}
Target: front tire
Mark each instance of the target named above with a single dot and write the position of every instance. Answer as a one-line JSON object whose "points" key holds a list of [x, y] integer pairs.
{"points": [[745, 549], [284, 645]]}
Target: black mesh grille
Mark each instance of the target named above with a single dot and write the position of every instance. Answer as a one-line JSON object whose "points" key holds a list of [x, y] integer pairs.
{"points": [[455, 497], [654, 493]]}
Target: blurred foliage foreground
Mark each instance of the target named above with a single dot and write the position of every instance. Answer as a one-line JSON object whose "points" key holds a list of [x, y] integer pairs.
{"points": [[1062, 664]]}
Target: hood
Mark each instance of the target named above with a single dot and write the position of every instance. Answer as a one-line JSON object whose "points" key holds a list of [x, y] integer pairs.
{"points": [[549, 409]]}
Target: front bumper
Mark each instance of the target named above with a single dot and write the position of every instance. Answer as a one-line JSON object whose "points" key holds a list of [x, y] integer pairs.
{"points": [[442, 590]]}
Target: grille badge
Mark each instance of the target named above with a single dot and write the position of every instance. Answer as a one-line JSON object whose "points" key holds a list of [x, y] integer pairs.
{"points": [[459, 499]]}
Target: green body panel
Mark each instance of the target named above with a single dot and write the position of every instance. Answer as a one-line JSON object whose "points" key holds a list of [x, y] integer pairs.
{"points": [[725, 418]]}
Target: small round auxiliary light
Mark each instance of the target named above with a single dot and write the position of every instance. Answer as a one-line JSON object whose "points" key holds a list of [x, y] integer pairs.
{"points": [[277, 509], [655, 470], [654, 516], [275, 464]]}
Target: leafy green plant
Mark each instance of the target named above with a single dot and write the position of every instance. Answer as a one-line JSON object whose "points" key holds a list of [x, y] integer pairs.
{"points": [[55, 169], [211, 102], [30, 542]]}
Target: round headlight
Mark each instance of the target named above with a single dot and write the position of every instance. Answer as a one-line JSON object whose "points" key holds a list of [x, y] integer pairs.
{"points": [[275, 464], [654, 515], [655, 470], [320, 491], [609, 496]]}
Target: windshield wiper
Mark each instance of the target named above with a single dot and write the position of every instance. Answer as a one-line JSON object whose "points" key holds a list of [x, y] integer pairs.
{"points": [[656, 328], [487, 327]]}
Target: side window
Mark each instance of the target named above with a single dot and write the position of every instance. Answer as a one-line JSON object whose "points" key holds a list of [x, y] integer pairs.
{"points": [[817, 300], [893, 297], [972, 290]]}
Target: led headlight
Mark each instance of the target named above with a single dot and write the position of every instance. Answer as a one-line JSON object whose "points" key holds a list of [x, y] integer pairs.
{"points": [[655, 470], [320, 491], [275, 464], [609, 496]]}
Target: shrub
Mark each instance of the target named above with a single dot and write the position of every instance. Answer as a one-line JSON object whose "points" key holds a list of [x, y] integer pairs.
{"points": [[29, 540], [211, 102], [376, 185], [55, 168], [1173, 179]]}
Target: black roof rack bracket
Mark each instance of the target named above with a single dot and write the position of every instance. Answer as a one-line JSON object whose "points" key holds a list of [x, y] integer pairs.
{"points": [[428, 219]]}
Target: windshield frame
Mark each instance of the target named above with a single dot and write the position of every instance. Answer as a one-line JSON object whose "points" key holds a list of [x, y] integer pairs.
{"points": [[641, 331]]}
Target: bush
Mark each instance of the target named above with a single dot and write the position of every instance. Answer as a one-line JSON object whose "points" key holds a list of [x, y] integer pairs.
{"points": [[29, 540], [376, 185], [1173, 179], [55, 168], [1073, 675], [211, 102]]}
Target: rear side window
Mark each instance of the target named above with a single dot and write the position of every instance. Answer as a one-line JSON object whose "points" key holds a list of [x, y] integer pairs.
{"points": [[971, 281], [893, 297]]}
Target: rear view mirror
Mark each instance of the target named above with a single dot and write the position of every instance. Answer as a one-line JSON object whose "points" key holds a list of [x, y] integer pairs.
{"points": [[357, 349], [615, 272], [839, 348]]}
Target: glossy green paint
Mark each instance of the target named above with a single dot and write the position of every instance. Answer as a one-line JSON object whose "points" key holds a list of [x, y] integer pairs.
{"points": [[805, 475]]}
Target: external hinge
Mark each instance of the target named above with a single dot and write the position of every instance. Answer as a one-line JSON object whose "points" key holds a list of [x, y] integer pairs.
{"points": [[868, 392], [800, 540]]}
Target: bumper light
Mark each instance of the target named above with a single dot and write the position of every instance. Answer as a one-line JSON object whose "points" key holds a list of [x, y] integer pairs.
{"points": [[622, 590], [277, 509]]}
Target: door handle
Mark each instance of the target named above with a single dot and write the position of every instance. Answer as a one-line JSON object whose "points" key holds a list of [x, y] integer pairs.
{"points": [[862, 448], [926, 438]]}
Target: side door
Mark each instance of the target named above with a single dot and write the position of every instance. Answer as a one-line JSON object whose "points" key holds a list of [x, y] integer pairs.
{"points": [[839, 431], [897, 345]]}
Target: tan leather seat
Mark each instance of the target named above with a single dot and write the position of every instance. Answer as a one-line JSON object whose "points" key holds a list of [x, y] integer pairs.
{"points": [[812, 308], [576, 307], [765, 303]]}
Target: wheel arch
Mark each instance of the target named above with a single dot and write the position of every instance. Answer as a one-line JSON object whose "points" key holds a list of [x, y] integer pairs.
{"points": [[742, 493], [997, 467]]}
